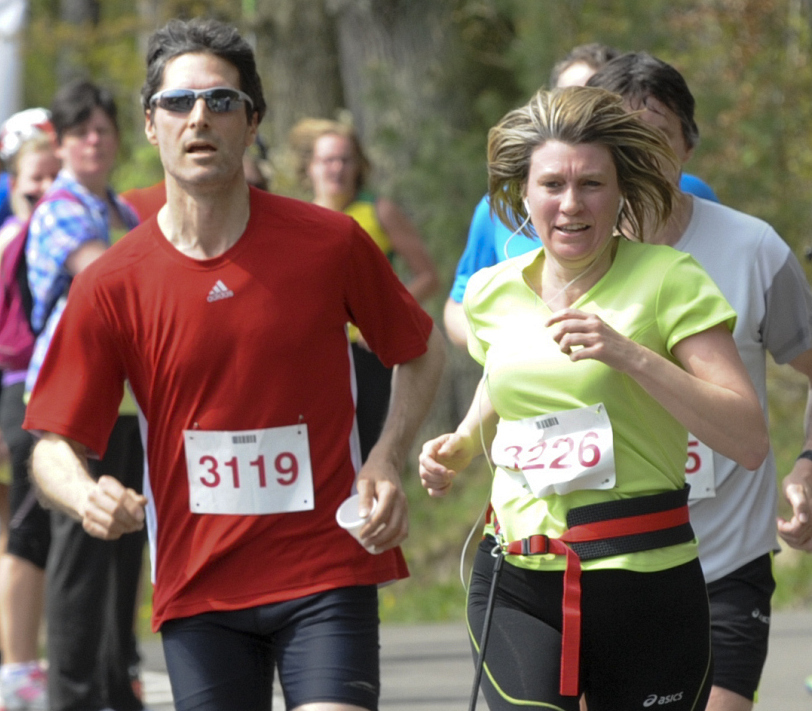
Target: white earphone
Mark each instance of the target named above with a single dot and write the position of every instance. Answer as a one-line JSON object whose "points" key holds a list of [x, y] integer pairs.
{"points": [[526, 205], [621, 206]]}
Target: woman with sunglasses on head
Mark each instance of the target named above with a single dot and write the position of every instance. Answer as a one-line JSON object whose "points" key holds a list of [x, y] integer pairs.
{"points": [[599, 351], [330, 162]]}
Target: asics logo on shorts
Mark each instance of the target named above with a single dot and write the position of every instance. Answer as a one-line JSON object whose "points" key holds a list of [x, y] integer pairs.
{"points": [[655, 700], [219, 291], [760, 617]]}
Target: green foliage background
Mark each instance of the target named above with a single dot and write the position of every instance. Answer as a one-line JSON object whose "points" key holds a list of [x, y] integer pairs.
{"points": [[747, 62]]}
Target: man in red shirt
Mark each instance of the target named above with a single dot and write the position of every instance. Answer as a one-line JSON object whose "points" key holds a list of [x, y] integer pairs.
{"points": [[226, 315]]}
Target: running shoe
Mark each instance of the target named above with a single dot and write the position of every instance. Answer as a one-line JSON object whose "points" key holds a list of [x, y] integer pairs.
{"points": [[24, 689], [134, 672]]}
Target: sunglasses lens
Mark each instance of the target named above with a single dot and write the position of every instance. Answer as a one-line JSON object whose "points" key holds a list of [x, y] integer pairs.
{"points": [[219, 101], [222, 100], [180, 101]]}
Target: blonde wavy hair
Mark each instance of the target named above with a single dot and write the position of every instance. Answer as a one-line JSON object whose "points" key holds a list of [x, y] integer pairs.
{"points": [[302, 139], [577, 115]]}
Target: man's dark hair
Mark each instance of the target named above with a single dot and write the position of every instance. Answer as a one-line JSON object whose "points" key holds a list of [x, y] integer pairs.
{"points": [[636, 76], [594, 55], [204, 36], [74, 102]]}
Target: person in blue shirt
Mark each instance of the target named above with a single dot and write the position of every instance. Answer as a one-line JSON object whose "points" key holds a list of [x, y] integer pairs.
{"points": [[696, 186]]}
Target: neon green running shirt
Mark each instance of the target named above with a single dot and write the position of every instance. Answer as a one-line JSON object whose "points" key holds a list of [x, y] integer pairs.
{"points": [[652, 294]]}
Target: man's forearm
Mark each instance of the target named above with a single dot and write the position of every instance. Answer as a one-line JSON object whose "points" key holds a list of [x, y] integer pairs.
{"points": [[59, 471], [414, 386]]}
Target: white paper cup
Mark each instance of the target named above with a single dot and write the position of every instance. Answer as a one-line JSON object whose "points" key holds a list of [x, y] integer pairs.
{"points": [[348, 518]]}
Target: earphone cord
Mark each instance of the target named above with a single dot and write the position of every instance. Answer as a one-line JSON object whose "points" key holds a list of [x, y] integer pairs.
{"points": [[513, 234], [582, 274], [479, 518]]}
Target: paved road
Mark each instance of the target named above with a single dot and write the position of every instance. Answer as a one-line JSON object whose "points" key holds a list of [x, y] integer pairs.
{"points": [[429, 668]]}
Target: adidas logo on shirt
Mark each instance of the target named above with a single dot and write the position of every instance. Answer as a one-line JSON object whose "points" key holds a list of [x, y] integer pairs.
{"points": [[219, 291]]}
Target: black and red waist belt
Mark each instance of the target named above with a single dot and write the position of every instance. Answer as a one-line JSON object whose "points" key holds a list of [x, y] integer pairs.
{"points": [[599, 531]]}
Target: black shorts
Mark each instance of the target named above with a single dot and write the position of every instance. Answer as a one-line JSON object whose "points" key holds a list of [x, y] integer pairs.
{"points": [[645, 638], [325, 648], [740, 625], [29, 534]]}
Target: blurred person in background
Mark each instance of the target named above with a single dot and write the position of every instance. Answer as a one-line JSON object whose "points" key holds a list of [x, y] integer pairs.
{"points": [[90, 584], [580, 63], [28, 150], [333, 165]]}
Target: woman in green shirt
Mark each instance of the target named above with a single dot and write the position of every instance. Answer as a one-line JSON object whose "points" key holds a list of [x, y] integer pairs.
{"points": [[599, 353]]}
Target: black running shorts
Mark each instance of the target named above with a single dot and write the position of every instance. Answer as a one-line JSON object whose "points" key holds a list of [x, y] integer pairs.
{"points": [[324, 646]]}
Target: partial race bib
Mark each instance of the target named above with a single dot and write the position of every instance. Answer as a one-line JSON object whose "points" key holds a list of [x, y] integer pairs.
{"points": [[559, 452], [249, 472], [699, 471]]}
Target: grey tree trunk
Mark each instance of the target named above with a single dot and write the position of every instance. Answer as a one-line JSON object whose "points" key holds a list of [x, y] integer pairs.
{"points": [[298, 62], [391, 56], [82, 13]]}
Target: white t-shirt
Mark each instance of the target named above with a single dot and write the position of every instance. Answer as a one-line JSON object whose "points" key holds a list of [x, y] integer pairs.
{"points": [[764, 282]]}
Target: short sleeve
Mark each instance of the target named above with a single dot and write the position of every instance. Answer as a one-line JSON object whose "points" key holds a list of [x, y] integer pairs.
{"points": [[58, 228], [477, 347], [393, 323], [689, 302], [64, 225], [786, 329], [81, 381]]}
